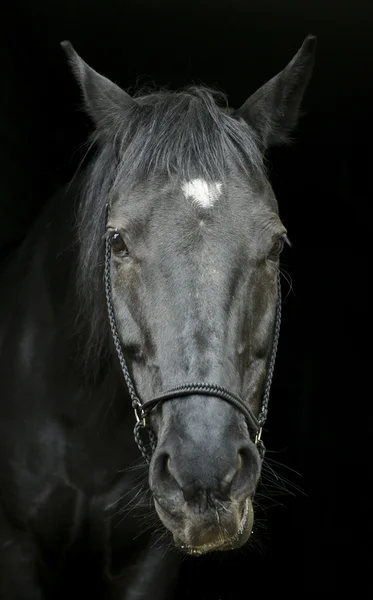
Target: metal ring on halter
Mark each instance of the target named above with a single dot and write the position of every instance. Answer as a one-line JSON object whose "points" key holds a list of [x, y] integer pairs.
{"points": [[258, 436], [142, 419]]}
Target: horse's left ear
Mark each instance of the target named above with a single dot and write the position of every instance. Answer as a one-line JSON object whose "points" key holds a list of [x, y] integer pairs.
{"points": [[273, 110], [105, 102]]}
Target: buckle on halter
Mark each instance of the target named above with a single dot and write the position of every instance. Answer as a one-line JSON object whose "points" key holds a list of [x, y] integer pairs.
{"points": [[259, 444], [139, 418], [258, 436]]}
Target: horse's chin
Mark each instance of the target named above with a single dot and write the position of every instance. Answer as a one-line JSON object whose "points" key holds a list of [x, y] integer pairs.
{"points": [[239, 539]]}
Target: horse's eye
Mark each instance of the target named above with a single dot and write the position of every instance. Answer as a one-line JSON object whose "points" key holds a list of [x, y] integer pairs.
{"points": [[277, 248], [117, 243]]}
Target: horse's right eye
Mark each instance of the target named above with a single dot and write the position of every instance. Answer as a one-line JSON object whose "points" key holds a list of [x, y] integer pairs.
{"points": [[117, 243]]}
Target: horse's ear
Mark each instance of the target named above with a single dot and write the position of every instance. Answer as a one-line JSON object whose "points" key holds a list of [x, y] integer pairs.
{"points": [[273, 110], [105, 102]]}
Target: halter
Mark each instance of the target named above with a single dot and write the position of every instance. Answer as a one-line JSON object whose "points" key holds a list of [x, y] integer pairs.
{"points": [[142, 409]]}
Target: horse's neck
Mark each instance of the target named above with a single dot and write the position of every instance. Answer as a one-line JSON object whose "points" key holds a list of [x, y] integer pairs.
{"points": [[41, 304], [38, 288], [50, 237], [41, 345]]}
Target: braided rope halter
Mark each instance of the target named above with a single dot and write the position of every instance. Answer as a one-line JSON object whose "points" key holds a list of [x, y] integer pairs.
{"points": [[142, 409]]}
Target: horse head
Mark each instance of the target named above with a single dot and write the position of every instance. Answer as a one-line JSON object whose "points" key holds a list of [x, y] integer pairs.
{"points": [[194, 240]]}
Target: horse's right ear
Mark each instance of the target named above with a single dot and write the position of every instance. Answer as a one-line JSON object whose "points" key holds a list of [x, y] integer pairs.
{"points": [[273, 110], [105, 102]]}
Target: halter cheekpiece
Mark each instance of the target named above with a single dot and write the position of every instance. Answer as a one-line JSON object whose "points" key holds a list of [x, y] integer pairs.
{"points": [[143, 408]]}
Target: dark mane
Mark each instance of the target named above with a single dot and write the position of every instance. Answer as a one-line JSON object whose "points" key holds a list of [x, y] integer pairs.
{"points": [[179, 134]]}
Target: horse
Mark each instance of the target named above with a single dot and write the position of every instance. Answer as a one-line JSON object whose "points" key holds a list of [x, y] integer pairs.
{"points": [[138, 332]]}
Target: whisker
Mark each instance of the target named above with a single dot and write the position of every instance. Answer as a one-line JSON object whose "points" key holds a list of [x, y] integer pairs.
{"points": [[167, 549], [149, 527], [109, 506], [289, 281], [137, 464], [130, 507], [276, 462], [261, 495], [269, 469], [281, 482], [221, 505]]}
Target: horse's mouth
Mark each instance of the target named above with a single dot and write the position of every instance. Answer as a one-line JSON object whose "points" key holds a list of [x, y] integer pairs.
{"points": [[241, 536]]}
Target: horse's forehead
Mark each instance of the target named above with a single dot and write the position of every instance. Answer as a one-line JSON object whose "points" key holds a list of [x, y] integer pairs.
{"points": [[195, 196], [194, 192], [202, 192]]}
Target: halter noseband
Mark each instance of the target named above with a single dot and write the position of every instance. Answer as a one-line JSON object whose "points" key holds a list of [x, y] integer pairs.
{"points": [[142, 409]]}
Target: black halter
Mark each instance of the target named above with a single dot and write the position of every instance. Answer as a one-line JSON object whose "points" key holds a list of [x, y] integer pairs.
{"points": [[142, 409]]}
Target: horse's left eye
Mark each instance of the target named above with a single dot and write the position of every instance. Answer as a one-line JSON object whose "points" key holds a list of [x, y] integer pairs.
{"points": [[277, 248], [117, 243]]}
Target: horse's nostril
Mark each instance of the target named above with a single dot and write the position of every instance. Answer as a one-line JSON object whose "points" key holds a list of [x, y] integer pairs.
{"points": [[240, 460], [247, 471], [164, 467], [246, 457], [165, 462]]}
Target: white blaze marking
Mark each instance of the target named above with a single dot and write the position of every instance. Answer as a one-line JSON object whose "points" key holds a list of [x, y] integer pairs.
{"points": [[201, 192]]}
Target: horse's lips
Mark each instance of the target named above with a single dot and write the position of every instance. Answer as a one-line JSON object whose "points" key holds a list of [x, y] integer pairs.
{"points": [[199, 550], [244, 516]]}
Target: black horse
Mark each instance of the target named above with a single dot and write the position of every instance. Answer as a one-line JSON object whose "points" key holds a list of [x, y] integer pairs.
{"points": [[150, 283]]}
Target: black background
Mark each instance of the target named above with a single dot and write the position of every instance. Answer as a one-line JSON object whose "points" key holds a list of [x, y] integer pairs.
{"points": [[318, 542]]}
